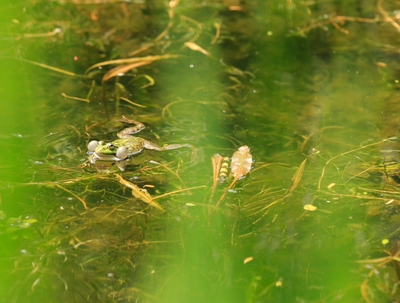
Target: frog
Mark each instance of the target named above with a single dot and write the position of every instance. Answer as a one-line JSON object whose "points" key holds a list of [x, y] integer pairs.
{"points": [[126, 146]]}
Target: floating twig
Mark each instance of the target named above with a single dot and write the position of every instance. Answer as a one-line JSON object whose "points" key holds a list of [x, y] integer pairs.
{"points": [[74, 98], [58, 70], [195, 47], [71, 193], [218, 32], [296, 178], [132, 60], [216, 163], [133, 103], [122, 69], [139, 193], [386, 16]]}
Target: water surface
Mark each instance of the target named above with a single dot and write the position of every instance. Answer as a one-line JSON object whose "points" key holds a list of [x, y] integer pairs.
{"points": [[311, 89]]}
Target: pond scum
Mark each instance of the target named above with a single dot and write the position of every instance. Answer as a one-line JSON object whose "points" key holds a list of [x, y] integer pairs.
{"points": [[99, 231]]}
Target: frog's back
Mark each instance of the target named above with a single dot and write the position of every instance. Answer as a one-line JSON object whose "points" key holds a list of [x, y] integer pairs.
{"points": [[134, 145]]}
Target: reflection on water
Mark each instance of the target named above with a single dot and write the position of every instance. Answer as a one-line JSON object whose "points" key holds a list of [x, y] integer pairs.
{"points": [[309, 87]]}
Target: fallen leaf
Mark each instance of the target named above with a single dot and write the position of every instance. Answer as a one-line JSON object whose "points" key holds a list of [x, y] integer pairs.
{"points": [[331, 185], [310, 207], [241, 162], [195, 47], [173, 3], [240, 166], [297, 177]]}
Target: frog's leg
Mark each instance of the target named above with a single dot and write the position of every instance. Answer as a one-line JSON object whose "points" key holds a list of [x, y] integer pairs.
{"points": [[127, 132], [153, 146]]}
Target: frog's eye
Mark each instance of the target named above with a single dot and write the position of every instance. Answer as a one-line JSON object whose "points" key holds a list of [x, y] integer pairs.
{"points": [[110, 146], [122, 153], [92, 145]]}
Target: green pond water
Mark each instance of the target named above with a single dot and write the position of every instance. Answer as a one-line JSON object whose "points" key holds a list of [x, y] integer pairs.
{"points": [[311, 87]]}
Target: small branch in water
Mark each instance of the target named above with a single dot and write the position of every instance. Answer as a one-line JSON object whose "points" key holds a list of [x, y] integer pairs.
{"points": [[386, 16], [74, 98], [218, 32], [216, 163], [71, 193], [133, 60], [131, 102], [49, 34], [58, 70]]}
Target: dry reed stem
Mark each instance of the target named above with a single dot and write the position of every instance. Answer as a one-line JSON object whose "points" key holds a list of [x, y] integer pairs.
{"points": [[296, 178], [139, 193], [218, 32], [386, 16], [132, 60], [122, 69], [216, 163], [133, 103], [74, 98], [58, 70], [49, 34], [165, 32]]}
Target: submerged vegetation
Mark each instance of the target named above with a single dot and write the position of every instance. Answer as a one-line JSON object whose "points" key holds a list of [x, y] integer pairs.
{"points": [[291, 195]]}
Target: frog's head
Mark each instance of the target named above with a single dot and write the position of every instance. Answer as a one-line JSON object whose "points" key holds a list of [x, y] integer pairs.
{"points": [[107, 151]]}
